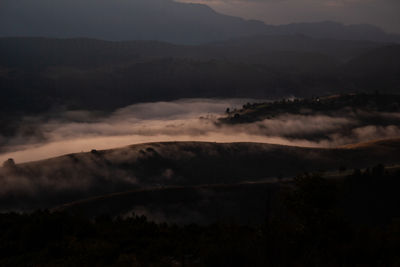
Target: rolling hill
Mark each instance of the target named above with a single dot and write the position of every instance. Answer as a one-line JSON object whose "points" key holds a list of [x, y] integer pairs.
{"points": [[72, 177]]}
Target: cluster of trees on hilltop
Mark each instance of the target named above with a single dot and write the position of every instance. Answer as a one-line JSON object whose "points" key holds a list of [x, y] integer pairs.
{"points": [[334, 105]]}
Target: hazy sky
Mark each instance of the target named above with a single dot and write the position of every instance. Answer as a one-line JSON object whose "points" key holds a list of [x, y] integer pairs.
{"points": [[383, 13]]}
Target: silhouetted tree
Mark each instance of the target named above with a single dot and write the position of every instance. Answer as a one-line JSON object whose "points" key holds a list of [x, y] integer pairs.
{"points": [[9, 163]]}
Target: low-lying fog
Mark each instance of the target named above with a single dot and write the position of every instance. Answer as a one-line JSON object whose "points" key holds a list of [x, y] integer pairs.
{"points": [[181, 120]]}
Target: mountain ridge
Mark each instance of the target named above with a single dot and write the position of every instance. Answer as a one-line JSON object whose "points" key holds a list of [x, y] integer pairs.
{"points": [[165, 20]]}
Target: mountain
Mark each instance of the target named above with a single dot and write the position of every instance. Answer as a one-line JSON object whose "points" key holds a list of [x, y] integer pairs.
{"points": [[162, 20], [342, 50], [39, 73], [86, 53]]}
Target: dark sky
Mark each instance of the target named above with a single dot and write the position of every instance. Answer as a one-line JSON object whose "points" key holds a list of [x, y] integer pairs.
{"points": [[383, 13]]}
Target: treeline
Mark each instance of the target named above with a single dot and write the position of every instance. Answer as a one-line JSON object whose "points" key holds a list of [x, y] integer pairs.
{"points": [[333, 105], [317, 228]]}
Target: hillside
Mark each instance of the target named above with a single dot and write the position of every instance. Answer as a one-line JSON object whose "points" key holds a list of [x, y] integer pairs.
{"points": [[366, 108], [376, 69], [42, 53], [40, 74], [77, 176], [247, 203], [354, 221], [242, 203]]}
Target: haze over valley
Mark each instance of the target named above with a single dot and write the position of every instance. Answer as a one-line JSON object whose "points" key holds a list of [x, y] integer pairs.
{"points": [[43, 137]]}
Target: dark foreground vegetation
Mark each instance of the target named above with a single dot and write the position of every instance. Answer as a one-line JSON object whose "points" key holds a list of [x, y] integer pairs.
{"points": [[323, 222]]}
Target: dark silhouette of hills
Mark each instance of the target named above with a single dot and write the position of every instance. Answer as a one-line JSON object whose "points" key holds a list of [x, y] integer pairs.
{"points": [[371, 201], [162, 20], [378, 69], [47, 183], [335, 30], [84, 52], [315, 220], [342, 50], [39, 73]]}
